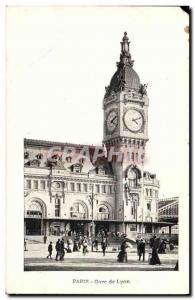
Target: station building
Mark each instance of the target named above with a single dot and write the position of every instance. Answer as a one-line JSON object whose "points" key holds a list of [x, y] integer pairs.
{"points": [[86, 188]]}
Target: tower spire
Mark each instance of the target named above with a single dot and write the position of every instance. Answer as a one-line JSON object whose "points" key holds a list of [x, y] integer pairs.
{"points": [[125, 57], [125, 44]]}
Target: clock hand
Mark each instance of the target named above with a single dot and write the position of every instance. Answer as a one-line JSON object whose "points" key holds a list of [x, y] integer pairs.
{"points": [[113, 120], [137, 118], [134, 120]]}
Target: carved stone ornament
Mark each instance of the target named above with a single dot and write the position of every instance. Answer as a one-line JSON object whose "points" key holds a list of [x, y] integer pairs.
{"points": [[33, 163], [55, 162], [26, 193], [39, 156], [143, 89]]}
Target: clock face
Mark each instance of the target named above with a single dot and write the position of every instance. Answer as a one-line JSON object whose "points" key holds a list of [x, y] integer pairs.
{"points": [[112, 121], [133, 120]]}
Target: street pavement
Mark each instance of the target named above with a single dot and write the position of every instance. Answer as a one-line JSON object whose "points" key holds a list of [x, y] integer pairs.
{"points": [[35, 259]]}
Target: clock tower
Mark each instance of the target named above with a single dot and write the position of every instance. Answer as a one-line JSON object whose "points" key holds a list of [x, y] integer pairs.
{"points": [[125, 106]]}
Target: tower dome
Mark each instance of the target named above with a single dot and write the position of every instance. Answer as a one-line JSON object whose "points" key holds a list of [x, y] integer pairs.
{"points": [[125, 78]]}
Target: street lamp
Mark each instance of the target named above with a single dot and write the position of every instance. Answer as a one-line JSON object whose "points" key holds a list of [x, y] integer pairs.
{"points": [[91, 197], [134, 199]]}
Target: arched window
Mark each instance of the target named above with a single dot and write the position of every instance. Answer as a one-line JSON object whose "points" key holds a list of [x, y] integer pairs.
{"points": [[69, 159], [78, 211], [132, 178], [76, 168], [102, 209], [103, 213], [34, 210]]}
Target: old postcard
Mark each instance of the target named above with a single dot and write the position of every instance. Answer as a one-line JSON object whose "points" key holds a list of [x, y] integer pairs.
{"points": [[97, 150]]}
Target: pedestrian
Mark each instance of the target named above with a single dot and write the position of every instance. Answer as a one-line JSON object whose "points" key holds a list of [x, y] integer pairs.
{"points": [[122, 256], [85, 244], [45, 239], [141, 249], [95, 242], [69, 243], [80, 243], [171, 246], [62, 251], [155, 260], [25, 245], [104, 245], [75, 246], [58, 249], [162, 247], [50, 249], [137, 243]]}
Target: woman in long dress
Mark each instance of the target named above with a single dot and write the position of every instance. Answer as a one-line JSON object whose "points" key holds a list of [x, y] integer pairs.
{"points": [[155, 260], [122, 256], [85, 244]]}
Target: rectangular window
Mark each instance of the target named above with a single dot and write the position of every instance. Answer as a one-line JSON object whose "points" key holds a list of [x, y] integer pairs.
{"points": [[35, 184], [57, 207], [156, 194], [149, 206], [103, 189], [28, 184], [78, 187], [150, 192], [97, 188], [110, 189], [42, 184], [132, 211], [72, 187], [85, 187], [146, 192]]}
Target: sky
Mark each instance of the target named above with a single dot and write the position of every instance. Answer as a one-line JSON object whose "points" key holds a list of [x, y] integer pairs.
{"points": [[59, 60]]}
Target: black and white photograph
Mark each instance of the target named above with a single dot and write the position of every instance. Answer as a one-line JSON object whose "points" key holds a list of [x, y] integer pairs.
{"points": [[99, 101]]}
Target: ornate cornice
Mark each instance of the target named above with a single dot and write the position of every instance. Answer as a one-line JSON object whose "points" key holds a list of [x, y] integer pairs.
{"points": [[71, 179], [38, 143], [126, 140]]}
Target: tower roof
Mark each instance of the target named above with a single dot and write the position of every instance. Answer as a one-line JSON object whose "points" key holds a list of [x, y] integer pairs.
{"points": [[125, 77]]}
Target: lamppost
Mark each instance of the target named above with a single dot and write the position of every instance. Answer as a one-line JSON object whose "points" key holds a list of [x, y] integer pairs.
{"points": [[134, 199], [92, 198]]}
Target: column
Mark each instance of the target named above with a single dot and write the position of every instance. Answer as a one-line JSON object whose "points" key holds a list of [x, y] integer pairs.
{"points": [[169, 229], [142, 228], [47, 232], [24, 227], [67, 226]]}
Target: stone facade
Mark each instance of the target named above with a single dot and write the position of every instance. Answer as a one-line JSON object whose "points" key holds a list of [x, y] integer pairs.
{"points": [[56, 197]]}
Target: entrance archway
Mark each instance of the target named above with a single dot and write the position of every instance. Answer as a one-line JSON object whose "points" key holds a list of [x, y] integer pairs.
{"points": [[34, 214]]}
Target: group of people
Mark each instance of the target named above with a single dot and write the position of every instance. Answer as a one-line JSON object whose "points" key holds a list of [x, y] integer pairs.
{"points": [[156, 246], [83, 243], [60, 249]]}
